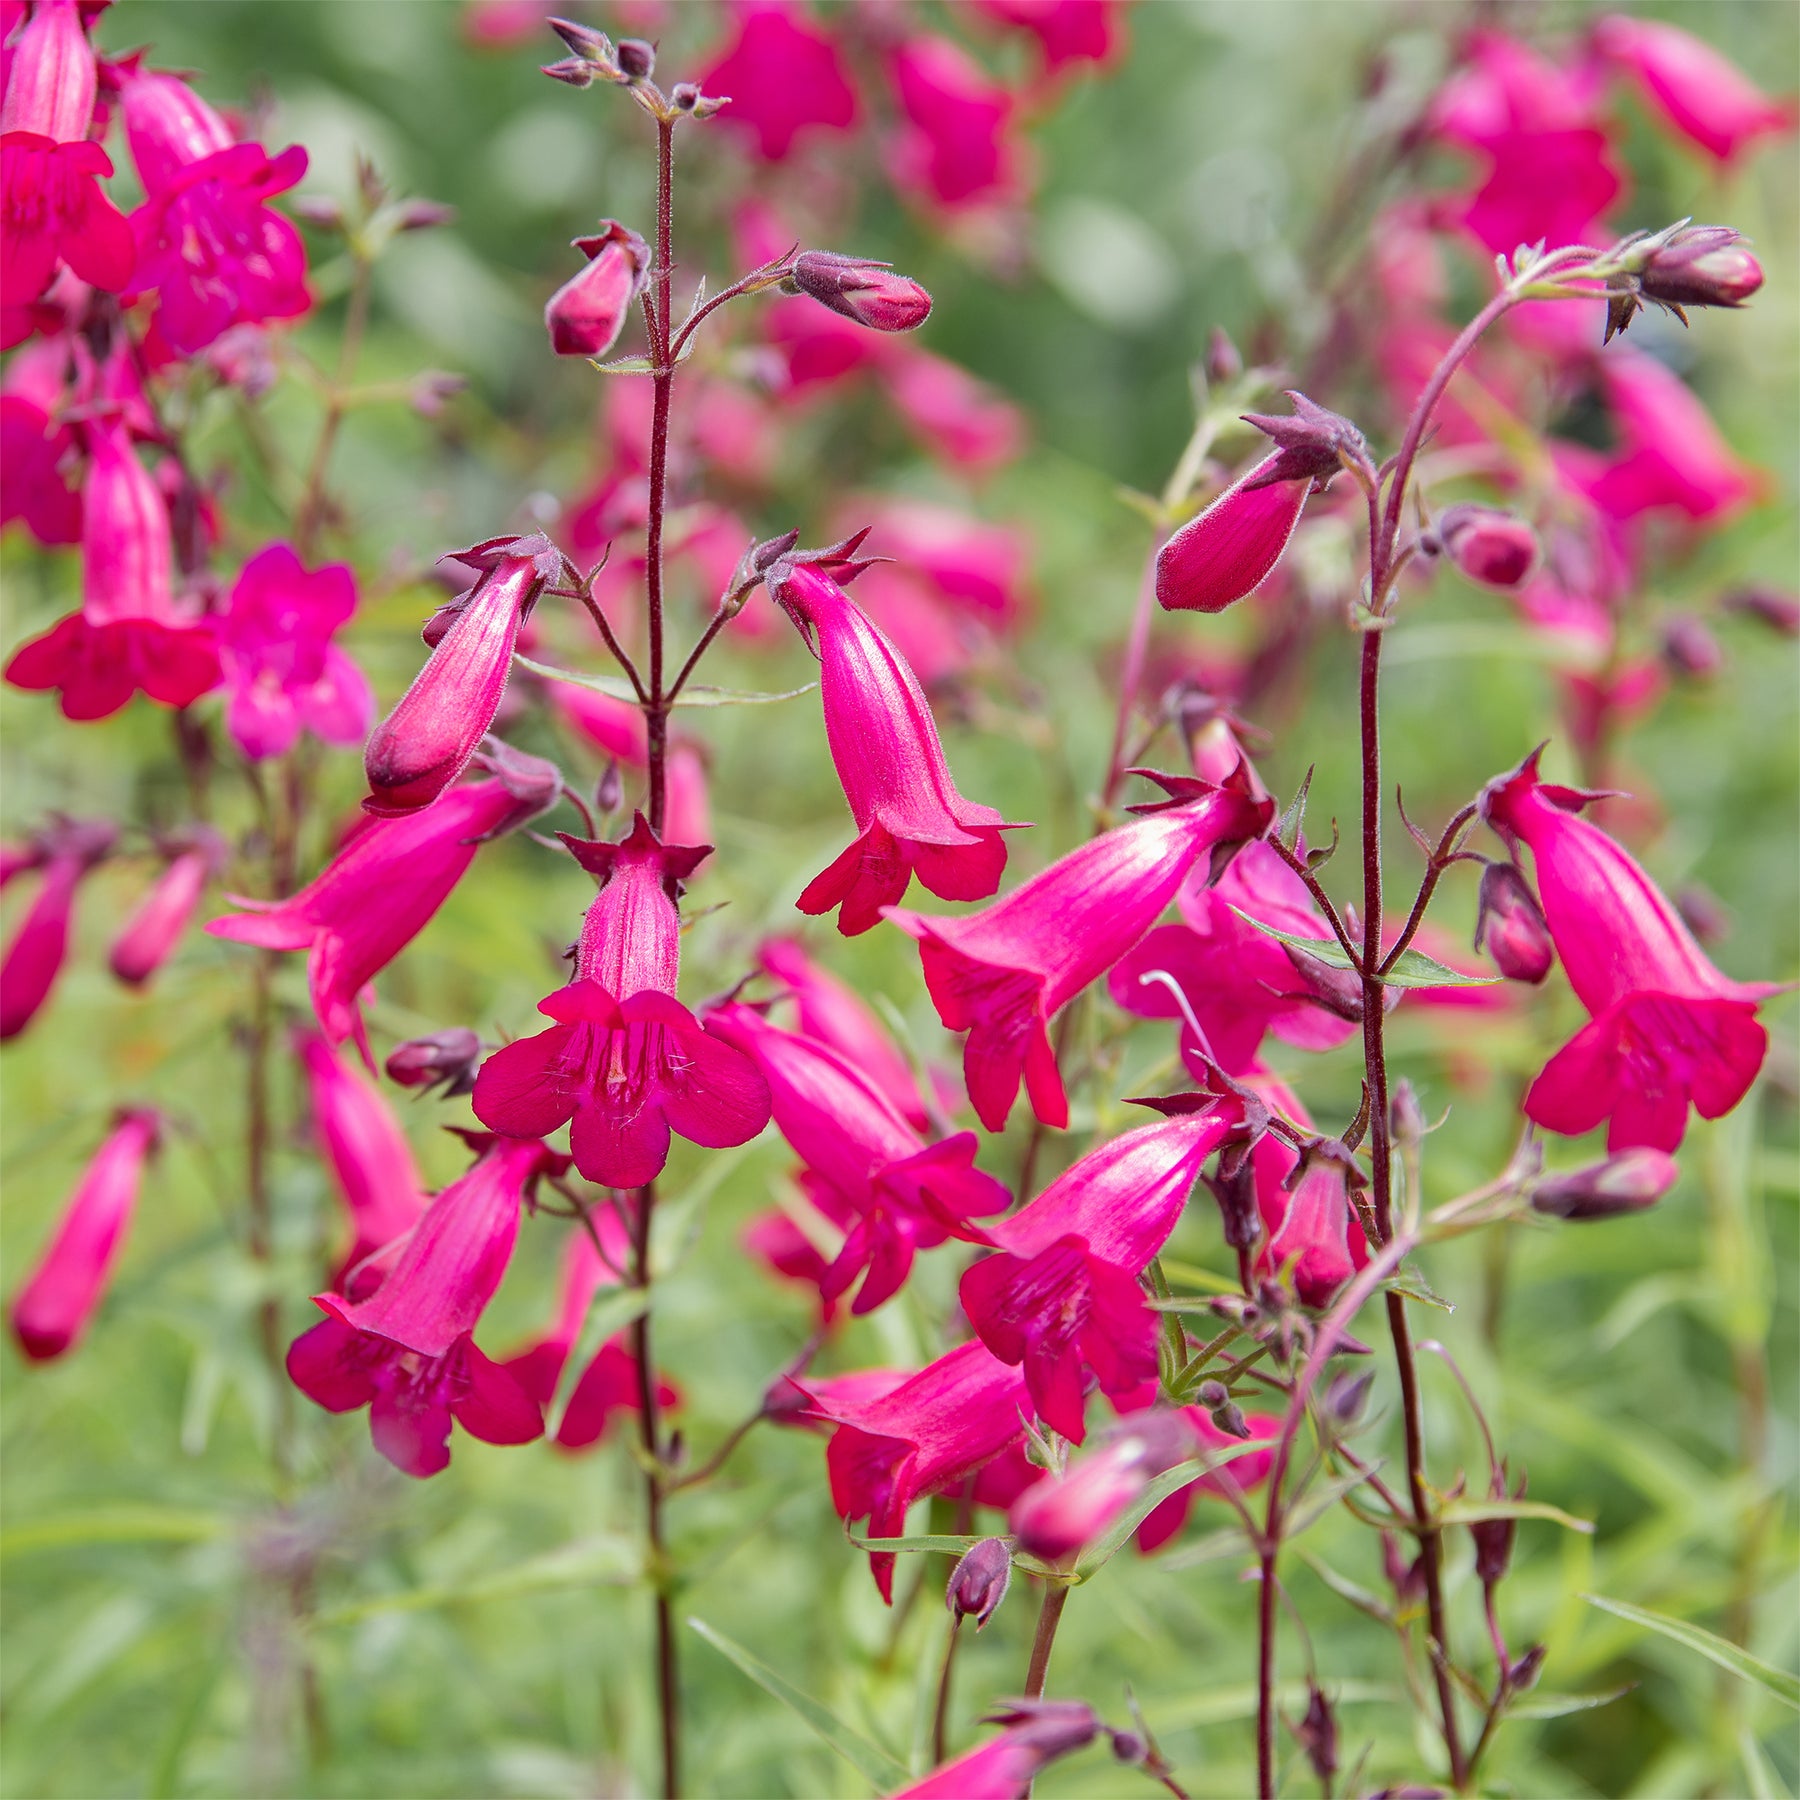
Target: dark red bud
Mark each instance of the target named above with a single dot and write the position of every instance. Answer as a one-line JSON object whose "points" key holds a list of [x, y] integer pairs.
{"points": [[582, 40], [1509, 925], [1689, 647], [636, 59], [857, 288], [1780, 612], [685, 95], [979, 1581], [586, 314], [1628, 1182], [1316, 1734], [1223, 363], [445, 1059], [1488, 545], [1525, 1669], [575, 71], [1345, 1397]]}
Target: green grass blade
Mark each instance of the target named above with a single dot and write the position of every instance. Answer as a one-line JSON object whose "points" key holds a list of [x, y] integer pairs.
{"points": [[1779, 1682]]}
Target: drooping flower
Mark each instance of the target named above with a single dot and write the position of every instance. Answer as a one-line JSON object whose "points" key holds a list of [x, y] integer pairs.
{"points": [[1055, 1518], [586, 314], [1001, 973], [885, 746], [786, 79], [1626, 1183], [379, 892], [1063, 1290], [1037, 1733], [148, 937], [625, 1060], [955, 149], [1667, 1029], [429, 737], [65, 1288], [282, 672], [34, 958]]}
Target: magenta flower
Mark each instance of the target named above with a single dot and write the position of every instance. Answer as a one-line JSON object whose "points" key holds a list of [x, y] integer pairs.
{"points": [[407, 1350], [1037, 1733], [625, 1060], [785, 78], [217, 254], [282, 672], [129, 633], [1067, 31], [376, 895], [34, 958], [885, 745], [427, 740], [1626, 1183], [959, 419], [63, 1291], [51, 207], [148, 938], [1167, 1518], [1063, 1290], [1055, 1518], [1488, 545], [1673, 454], [1667, 1029], [1549, 185], [586, 314], [908, 1194], [894, 1447], [954, 150], [1310, 1247], [32, 454], [1001, 973], [868, 292]]}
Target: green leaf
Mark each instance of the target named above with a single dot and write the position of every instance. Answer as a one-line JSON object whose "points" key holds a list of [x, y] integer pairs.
{"points": [[1759, 1776], [1105, 1547], [869, 1760], [1473, 1512], [1784, 1685], [610, 1311], [1414, 969], [692, 695], [1415, 1287], [948, 1546], [1320, 1500], [1559, 1706], [116, 1525]]}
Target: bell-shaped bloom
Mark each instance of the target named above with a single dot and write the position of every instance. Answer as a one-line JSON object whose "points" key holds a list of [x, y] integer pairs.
{"points": [[1064, 1289], [1698, 93], [1667, 1030], [51, 207], [129, 634], [915, 1439], [428, 739], [1067, 31], [959, 419], [857, 288], [972, 565], [35, 957], [1167, 1518], [586, 314], [625, 1061], [1001, 973], [609, 1383], [1054, 1519], [69, 1281], [207, 241], [1673, 455], [148, 937], [785, 76], [1310, 1247], [375, 896], [908, 1194], [885, 745], [283, 674], [1037, 1733], [954, 149], [369, 1156], [407, 1350]]}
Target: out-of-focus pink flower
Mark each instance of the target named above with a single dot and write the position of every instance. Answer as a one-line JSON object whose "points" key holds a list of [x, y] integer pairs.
{"points": [[1626, 1183], [1502, 87], [960, 419], [931, 1429], [869, 292], [909, 816], [1054, 1519], [429, 737], [776, 1239], [1037, 1733], [785, 78], [64, 1290], [689, 804], [502, 24], [1063, 1289], [613, 727], [407, 1350], [1000, 974], [148, 938], [1553, 185], [954, 150], [282, 671], [32, 485], [586, 314], [1673, 453], [34, 958], [1706, 99], [1067, 31], [1668, 1030], [625, 1060], [1167, 1518], [976, 566], [376, 895]]}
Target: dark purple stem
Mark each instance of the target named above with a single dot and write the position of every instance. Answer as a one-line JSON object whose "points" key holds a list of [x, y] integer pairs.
{"points": [[656, 713]]}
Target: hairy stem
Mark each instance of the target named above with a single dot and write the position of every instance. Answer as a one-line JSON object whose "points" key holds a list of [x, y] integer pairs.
{"points": [[1265, 1675], [1056, 1597], [668, 1692], [656, 713]]}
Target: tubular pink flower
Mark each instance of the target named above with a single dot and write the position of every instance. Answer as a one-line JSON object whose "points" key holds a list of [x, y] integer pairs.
{"points": [[429, 737], [33, 450], [915, 1439], [34, 958], [1004, 1767], [62, 1293], [375, 896], [1055, 1518], [1000, 974], [885, 746], [785, 76], [407, 1350], [1063, 1290], [148, 938], [625, 1060], [1668, 1029], [908, 1194], [1234, 545], [1311, 1244], [954, 151], [586, 314], [1674, 455], [960, 420]]}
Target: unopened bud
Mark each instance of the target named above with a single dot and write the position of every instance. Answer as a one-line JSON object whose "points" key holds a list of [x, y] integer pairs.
{"points": [[1129, 1748], [444, 1060], [1780, 612], [1212, 1393], [431, 391], [857, 288], [423, 215], [1316, 1734], [1234, 1188], [1488, 545], [1626, 1183], [636, 59], [320, 210], [1705, 265], [1494, 1537], [586, 314], [574, 71], [1313, 442], [979, 1581], [1223, 363], [1510, 927], [1406, 1118], [1689, 648], [1703, 913], [609, 791], [1525, 1669], [1345, 1397], [685, 95], [582, 40]]}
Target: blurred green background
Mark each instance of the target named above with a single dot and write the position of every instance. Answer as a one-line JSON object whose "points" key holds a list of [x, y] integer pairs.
{"points": [[171, 1620]]}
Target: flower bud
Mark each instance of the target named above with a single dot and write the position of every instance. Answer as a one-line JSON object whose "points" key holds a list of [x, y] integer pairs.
{"points": [[857, 288], [1345, 1397], [574, 71], [1703, 265], [1780, 612], [586, 314], [1494, 1537], [1406, 1118], [636, 59], [685, 95], [1509, 925], [1689, 647], [1628, 1182], [320, 210], [446, 1057], [1703, 913], [1223, 363], [979, 1581], [1233, 1186], [1489, 546], [1316, 1733], [1525, 1670], [422, 215], [582, 40]]}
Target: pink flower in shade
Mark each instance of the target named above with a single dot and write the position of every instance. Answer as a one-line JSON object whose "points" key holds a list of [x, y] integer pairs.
{"points": [[953, 150], [885, 744], [51, 207], [34, 958], [129, 633], [586, 314], [915, 1439], [207, 240], [62, 1293], [907, 1194], [776, 1240], [1667, 1029], [1053, 1519], [625, 1060], [1001, 973], [282, 671], [377, 894], [1037, 1733], [149, 936], [1067, 31], [609, 1383], [688, 801], [1169, 1517], [429, 737], [1063, 1291], [960, 420], [407, 1351], [785, 77], [1700, 95], [368, 1153]]}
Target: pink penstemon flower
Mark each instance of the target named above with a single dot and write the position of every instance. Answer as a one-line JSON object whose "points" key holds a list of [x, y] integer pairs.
{"points": [[1054, 1519], [786, 77], [586, 314], [1037, 1733], [1243, 1475], [149, 936], [955, 149], [34, 958]]}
